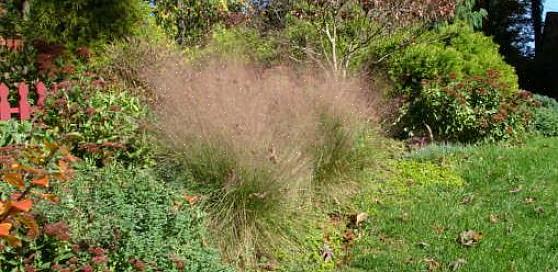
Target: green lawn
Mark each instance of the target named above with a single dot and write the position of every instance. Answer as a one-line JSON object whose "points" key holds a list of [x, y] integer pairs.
{"points": [[509, 195]]}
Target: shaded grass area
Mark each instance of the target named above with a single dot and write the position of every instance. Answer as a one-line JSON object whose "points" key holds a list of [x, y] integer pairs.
{"points": [[508, 196]]}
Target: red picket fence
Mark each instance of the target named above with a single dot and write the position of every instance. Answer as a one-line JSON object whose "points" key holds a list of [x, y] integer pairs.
{"points": [[23, 108]]}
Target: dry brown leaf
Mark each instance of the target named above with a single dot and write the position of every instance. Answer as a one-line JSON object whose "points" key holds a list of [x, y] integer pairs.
{"points": [[192, 199], [529, 200], [469, 238], [3, 208], [423, 245], [269, 266], [516, 190], [439, 229], [494, 219], [349, 236], [432, 264], [457, 264], [360, 218], [326, 253]]}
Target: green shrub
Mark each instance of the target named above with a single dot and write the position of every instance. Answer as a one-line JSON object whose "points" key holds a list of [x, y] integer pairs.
{"points": [[83, 22], [95, 118], [133, 217], [466, 110], [14, 132], [449, 53], [16, 67], [546, 116], [126, 59], [453, 84], [199, 18]]}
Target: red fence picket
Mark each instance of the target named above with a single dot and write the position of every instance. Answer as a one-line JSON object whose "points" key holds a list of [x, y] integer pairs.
{"points": [[23, 108]]}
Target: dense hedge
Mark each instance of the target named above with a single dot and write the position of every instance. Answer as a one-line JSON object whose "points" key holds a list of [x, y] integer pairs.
{"points": [[546, 116], [453, 84]]}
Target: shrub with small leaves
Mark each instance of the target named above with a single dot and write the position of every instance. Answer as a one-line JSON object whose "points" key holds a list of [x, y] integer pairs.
{"points": [[95, 118], [27, 173], [546, 116], [451, 52], [465, 110]]}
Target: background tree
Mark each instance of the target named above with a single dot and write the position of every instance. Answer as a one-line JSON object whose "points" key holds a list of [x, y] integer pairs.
{"points": [[189, 21], [516, 26], [332, 33], [537, 7], [82, 22]]}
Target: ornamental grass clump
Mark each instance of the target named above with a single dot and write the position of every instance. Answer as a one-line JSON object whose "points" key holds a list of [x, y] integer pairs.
{"points": [[256, 140]]}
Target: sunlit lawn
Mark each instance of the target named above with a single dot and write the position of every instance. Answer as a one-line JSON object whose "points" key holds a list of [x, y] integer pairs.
{"points": [[509, 200]]}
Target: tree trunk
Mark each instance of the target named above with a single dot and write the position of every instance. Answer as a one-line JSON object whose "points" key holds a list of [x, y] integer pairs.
{"points": [[536, 16]]}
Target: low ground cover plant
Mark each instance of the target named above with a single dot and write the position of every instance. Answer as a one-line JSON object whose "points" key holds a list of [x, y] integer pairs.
{"points": [[135, 220]]}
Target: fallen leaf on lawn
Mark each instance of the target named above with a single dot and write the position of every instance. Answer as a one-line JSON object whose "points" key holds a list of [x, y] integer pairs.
{"points": [[404, 217], [349, 236], [457, 264], [5, 229], [494, 218], [423, 244], [261, 195], [335, 218], [383, 237], [356, 219], [269, 266], [432, 264], [192, 199], [529, 200], [439, 229], [326, 253], [516, 190], [469, 238], [361, 217]]}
